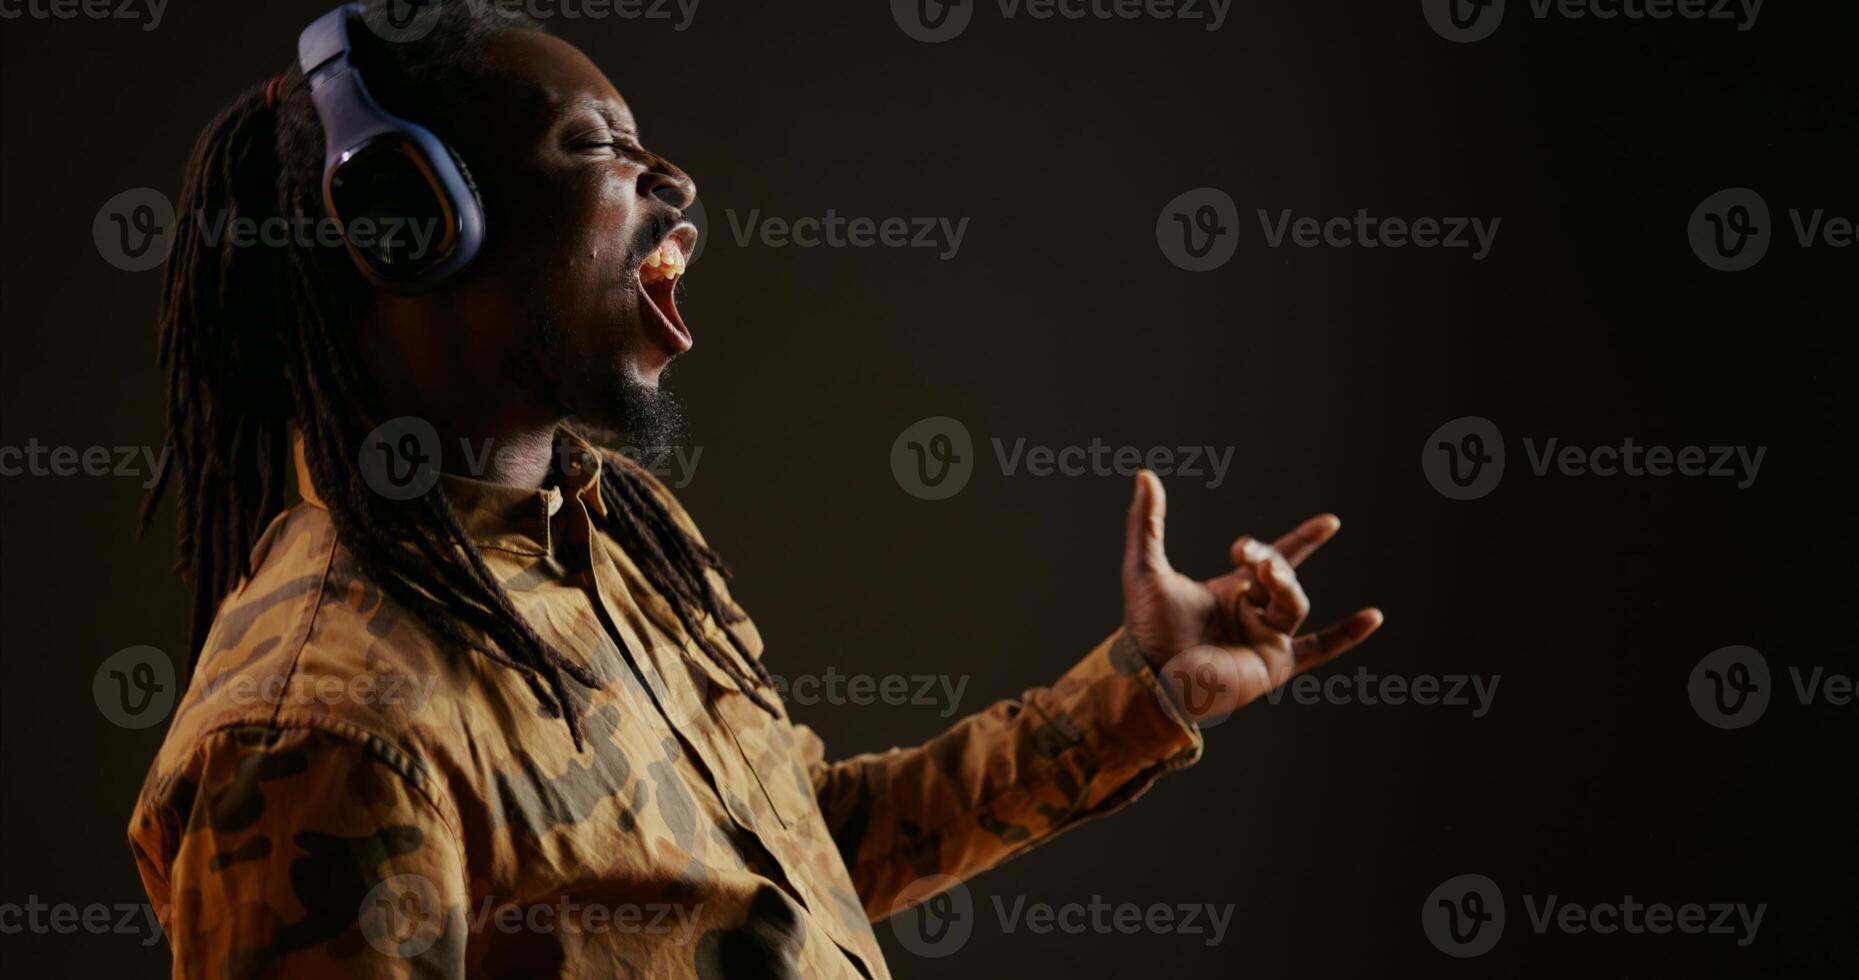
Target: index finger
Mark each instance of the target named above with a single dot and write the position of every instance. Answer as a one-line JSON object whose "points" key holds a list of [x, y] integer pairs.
{"points": [[1297, 545], [1309, 536]]}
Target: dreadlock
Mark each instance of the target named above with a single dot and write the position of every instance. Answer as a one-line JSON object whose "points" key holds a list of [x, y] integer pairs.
{"points": [[258, 340]]}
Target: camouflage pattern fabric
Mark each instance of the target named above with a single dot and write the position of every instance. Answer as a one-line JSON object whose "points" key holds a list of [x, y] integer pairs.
{"points": [[341, 793]]}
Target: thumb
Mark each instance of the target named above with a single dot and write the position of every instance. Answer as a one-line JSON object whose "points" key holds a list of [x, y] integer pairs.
{"points": [[1142, 542]]}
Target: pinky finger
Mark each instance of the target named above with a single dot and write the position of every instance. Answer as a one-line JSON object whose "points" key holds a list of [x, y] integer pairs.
{"points": [[1326, 644]]}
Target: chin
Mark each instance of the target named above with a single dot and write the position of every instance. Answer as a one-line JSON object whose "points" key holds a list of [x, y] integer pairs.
{"points": [[632, 401]]}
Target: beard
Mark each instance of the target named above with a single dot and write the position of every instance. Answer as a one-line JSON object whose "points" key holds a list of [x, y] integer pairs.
{"points": [[609, 405], [630, 415]]}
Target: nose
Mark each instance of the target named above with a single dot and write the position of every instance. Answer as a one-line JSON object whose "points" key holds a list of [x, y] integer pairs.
{"points": [[664, 181]]}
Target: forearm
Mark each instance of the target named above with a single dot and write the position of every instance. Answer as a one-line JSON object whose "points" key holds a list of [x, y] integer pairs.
{"points": [[1007, 778]]}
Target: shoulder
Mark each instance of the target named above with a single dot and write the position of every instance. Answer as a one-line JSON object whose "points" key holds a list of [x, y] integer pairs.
{"points": [[309, 650]]}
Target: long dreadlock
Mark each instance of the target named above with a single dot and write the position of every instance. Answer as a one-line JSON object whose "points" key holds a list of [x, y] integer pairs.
{"points": [[237, 320]]}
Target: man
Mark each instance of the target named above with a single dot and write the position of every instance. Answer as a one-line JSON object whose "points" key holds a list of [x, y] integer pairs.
{"points": [[513, 724]]}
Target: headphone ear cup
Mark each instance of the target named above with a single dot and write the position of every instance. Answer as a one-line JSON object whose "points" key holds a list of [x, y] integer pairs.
{"points": [[465, 172]]}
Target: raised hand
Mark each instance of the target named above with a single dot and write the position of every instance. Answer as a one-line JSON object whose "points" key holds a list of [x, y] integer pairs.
{"points": [[1232, 638]]}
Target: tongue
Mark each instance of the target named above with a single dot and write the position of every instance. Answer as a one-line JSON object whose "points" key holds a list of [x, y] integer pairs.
{"points": [[658, 296]]}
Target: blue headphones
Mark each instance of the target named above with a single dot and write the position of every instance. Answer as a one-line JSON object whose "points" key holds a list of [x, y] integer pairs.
{"points": [[385, 178]]}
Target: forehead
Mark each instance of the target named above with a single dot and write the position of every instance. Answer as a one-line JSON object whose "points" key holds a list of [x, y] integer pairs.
{"points": [[550, 77]]}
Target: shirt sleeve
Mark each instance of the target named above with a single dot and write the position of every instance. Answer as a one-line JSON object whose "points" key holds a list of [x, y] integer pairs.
{"points": [[1002, 780], [301, 853]]}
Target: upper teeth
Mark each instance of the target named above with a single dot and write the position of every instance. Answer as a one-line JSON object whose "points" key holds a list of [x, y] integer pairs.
{"points": [[665, 262]]}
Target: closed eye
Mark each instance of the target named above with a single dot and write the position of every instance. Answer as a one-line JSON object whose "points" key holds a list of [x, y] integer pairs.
{"points": [[618, 142]]}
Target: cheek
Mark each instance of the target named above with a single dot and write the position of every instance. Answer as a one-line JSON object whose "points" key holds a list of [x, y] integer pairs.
{"points": [[589, 245], [561, 258]]}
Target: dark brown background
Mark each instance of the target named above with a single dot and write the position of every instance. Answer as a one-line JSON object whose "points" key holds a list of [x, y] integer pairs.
{"points": [[1061, 321]]}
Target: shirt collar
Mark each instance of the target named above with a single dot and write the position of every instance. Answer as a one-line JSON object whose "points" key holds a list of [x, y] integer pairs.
{"points": [[502, 515]]}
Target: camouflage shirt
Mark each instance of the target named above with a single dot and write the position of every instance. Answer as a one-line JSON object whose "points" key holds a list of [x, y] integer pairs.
{"points": [[341, 793]]}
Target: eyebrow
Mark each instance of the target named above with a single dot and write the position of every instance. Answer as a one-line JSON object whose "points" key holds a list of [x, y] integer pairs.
{"points": [[599, 107]]}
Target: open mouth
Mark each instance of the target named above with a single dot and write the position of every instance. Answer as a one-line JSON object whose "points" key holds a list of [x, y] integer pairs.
{"points": [[658, 281]]}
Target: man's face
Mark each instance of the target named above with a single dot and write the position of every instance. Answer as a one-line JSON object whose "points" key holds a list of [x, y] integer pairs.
{"points": [[569, 308]]}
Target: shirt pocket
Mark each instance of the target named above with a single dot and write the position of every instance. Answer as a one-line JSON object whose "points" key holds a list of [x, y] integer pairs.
{"points": [[757, 736]]}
